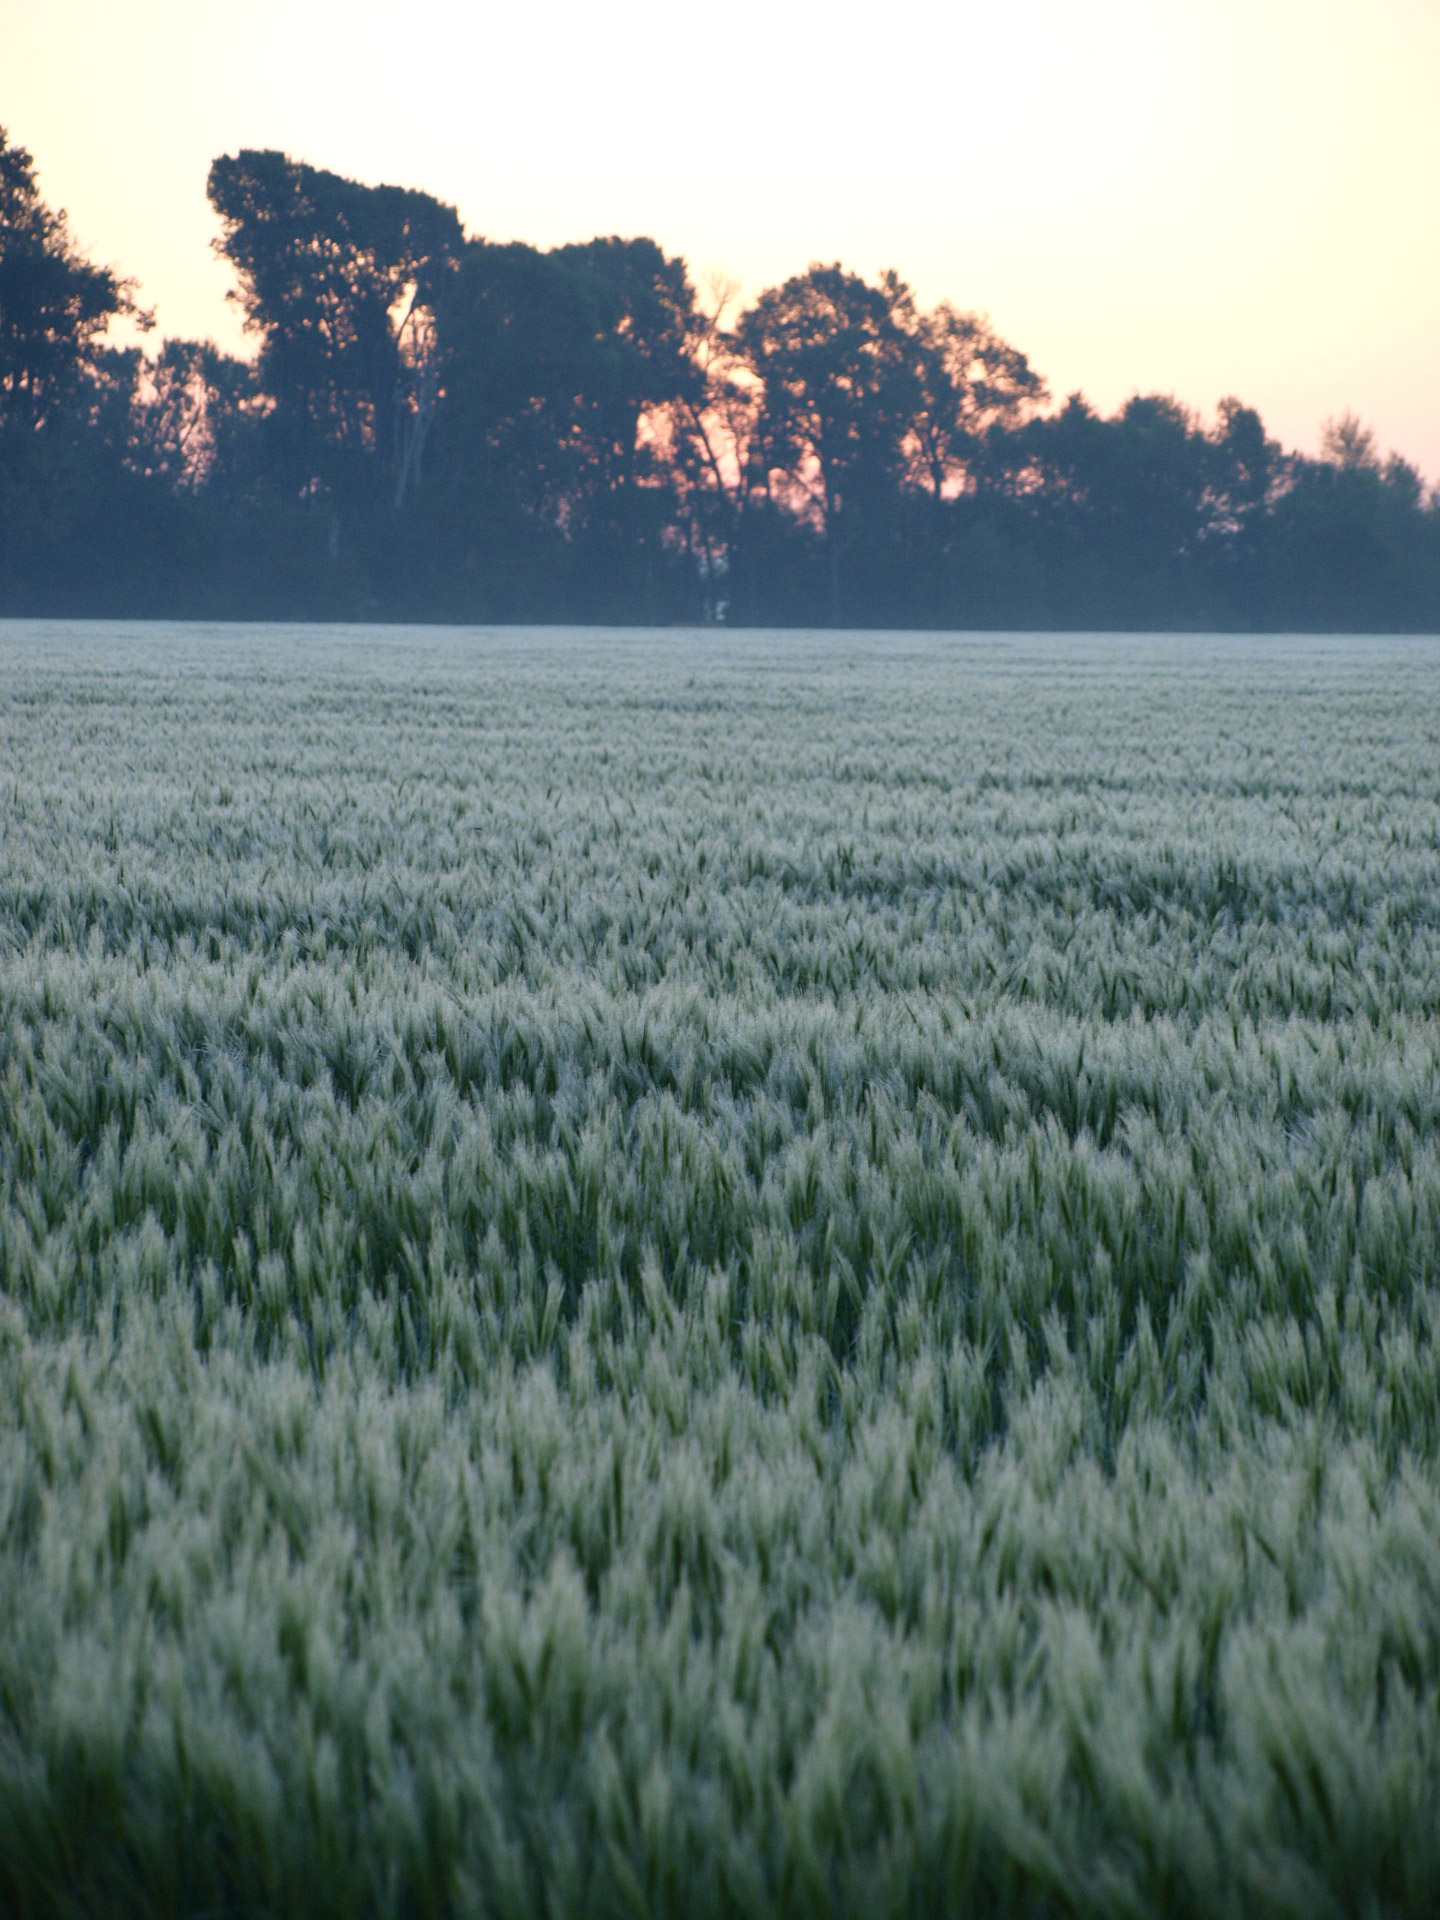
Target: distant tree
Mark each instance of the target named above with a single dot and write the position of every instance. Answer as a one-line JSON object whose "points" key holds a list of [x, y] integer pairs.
{"points": [[436, 426], [342, 283], [192, 409], [620, 350], [54, 304], [971, 382], [1248, 466], [834, 359], [973, 389], [864, 405], [710, 440], [1349, 542], [66, 499], [556, 368], [838, 370], [1247, 472], [1347, 443], [1118, 509]]}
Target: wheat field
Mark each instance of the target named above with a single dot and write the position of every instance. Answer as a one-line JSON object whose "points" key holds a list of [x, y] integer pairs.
{"points": [[718, 1274]]}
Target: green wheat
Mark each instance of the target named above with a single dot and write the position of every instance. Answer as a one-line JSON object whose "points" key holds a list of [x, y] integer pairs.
{"points": [[744, 1275]]}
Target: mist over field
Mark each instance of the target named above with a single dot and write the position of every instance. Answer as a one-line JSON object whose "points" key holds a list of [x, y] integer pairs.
{"points": [[739, 1274]]}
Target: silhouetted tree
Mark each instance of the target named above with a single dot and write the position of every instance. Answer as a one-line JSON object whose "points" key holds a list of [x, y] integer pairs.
{"points": [[65, 400], [1348, 543], [553, 365], [1122, 513], [442, 427], [971, 382], [865, 404], [54, 304], [837, 365], [342, 283]]}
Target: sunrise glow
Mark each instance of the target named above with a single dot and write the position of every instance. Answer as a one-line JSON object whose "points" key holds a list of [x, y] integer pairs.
{"points": [[1200, 197]]}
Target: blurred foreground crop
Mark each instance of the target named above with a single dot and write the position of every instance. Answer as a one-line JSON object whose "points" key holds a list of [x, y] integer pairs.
{"points": [[740, 1276]]}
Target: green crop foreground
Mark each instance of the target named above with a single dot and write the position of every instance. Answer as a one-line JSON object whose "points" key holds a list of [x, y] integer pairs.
{"points": [[751, 1275]]}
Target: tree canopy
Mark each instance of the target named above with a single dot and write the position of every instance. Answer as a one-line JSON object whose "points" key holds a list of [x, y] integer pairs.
{"points": [[437, 425], [341, 283], [54, 304]]}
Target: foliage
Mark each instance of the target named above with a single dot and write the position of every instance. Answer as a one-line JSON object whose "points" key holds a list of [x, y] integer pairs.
{"points": [[787, 1276], [54, 305], [437, 426], [332, 274], [553, 364]]}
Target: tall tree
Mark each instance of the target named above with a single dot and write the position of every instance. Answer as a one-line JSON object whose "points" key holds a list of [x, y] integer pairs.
{"points": [[1117, 510], [836, 361], [1349, 542], [556, 367], [342, 283], [54, 304], [970, 382]]}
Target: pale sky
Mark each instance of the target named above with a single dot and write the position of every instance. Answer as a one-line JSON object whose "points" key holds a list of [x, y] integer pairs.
{"points": [[1198, 197]]}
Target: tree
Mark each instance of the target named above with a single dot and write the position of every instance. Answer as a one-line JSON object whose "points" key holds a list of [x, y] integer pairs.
{"points": [[507, 432], [971, 381], [64, 406], [1347, 443], [836, 364], [712, 444], [191, 409], [557, 368], [54, 304], [865, 403], [1117, 510], [1349, 542], [974, 388], [342, 282]]}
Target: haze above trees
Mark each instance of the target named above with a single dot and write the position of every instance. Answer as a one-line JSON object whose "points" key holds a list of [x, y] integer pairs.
{"points": [[435, 426]]}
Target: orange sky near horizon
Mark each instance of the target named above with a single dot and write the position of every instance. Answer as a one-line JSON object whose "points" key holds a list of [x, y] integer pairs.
{"points": [[1198, 197]]}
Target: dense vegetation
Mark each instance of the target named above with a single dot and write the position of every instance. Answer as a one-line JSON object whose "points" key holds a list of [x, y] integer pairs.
{"points": [[439, 427], [748, 1276]]}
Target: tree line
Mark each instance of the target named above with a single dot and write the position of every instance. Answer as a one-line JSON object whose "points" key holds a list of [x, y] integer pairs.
{"points": [[436, 426]]}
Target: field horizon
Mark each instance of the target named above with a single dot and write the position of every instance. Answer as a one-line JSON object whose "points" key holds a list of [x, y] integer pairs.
{"points": [[723, 1272]]}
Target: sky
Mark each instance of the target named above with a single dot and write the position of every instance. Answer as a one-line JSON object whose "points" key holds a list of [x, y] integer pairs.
{"points": [[1197, 197]]}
